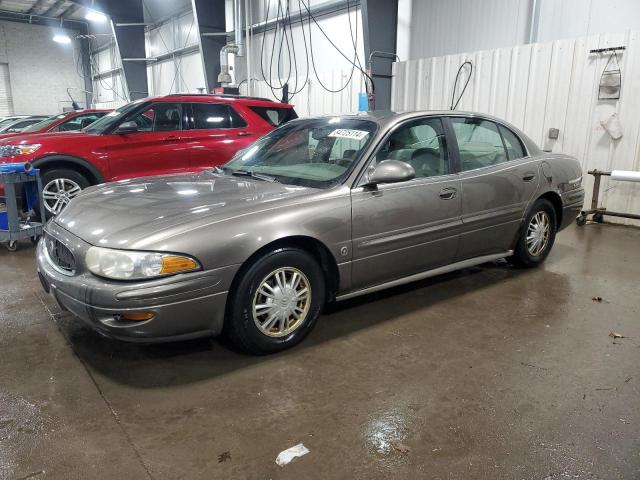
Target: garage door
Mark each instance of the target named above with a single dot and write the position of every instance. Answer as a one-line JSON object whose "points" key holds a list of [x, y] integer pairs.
{"points": [[6, 104]]}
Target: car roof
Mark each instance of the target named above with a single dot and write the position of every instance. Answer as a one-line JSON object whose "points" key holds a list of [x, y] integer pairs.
{"points": [[219, 98], [388, 118]]}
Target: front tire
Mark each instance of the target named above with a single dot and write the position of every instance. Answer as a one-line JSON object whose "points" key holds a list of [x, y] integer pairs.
{"points": [[537, 234], [276, 303], [59, 186]]}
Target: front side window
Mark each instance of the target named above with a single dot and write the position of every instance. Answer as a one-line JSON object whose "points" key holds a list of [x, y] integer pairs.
{"points": [[479, 143], [111, 120], [159, 117], [317, 153], [420, 143]]}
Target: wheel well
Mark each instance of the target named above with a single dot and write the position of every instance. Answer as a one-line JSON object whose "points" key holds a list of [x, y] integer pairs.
{"points": [[71, 165], [316, 248], [556, 201]]}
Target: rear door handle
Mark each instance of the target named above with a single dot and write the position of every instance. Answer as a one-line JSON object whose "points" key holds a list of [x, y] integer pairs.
{"points": [[171, 138], [244, 134], [528, 177], [448, 193]]}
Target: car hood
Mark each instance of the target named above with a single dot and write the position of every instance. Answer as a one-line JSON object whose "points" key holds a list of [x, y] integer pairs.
{"points": [[142, 213], [11, 135]]}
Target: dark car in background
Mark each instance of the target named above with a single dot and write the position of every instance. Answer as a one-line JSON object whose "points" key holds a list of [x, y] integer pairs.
{"points": [[64, 122], [14, 125], [162, 135]]}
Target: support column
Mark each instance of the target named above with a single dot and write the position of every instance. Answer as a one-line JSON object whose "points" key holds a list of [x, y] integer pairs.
{"points": [[210, 18], [127, 23], [380, 22]]}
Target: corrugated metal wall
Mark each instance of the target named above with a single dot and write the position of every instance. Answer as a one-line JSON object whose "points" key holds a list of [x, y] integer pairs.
{"points": [[181, 72], [541, 86], [446, 27], [109, 90], [313, 99]]}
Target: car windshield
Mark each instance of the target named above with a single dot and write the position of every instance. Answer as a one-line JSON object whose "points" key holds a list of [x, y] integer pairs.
{"points": [[47, 122], [113, 119], [317, 153]]}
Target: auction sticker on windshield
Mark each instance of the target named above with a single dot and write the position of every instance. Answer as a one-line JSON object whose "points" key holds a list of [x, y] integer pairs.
{"points": [[348, 133]]}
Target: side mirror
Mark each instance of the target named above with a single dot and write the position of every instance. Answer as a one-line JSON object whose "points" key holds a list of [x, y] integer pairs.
{"points": [[127, 127], [391, 171]]}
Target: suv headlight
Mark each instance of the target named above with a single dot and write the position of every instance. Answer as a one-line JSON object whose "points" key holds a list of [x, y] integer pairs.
{"points": [[131, 265], [17, 150]]}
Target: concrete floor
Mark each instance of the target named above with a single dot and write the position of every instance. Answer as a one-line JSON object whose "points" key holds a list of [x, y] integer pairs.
{"points": [[487, 373]]}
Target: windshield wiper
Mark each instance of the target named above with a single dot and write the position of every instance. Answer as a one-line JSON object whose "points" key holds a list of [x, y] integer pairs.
{"points": [[249, 173]]}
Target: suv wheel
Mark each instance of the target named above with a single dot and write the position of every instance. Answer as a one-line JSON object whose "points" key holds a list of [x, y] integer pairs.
{"points": [[59, 187], [276, 303]]}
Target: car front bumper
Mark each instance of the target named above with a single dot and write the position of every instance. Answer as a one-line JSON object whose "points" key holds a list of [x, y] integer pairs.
{"points": [[184, 306]]}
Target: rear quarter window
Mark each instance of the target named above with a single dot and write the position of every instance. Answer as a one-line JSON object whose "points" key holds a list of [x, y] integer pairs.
{"points": [[515, 149], [275, 116]]}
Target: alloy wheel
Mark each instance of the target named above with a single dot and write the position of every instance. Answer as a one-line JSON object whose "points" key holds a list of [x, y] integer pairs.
{"points": [[282, 302], [538, 233], [58, 192]]}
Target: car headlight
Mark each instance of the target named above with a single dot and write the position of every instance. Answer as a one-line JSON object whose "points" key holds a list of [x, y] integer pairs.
{"points": [[131, 265], [17, 150]]}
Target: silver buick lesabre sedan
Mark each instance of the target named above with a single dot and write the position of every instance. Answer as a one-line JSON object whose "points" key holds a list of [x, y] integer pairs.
{"points": [[321, 209]]}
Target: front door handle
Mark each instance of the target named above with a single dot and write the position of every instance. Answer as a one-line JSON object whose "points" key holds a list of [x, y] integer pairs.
{"points": [[527, 177], [244, 134], [448, 193], [171, 138]]}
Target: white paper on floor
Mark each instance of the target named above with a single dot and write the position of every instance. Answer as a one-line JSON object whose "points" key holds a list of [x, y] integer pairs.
{"points": [[289, 454]]}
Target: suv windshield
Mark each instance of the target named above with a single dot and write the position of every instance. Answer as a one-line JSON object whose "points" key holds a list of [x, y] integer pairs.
{"points": [[113, 119], [43, 124], [317, 153]]}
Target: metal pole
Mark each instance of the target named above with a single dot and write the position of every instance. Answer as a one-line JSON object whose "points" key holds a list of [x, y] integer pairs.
{"points": [[247, 22]]}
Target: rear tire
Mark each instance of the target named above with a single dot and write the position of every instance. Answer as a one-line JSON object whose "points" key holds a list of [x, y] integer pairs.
{"points": [[537, 234], [276, 302], [59, 186]]}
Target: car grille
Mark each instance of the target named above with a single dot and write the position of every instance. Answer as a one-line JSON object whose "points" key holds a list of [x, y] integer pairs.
{"points": [[60, 255]]}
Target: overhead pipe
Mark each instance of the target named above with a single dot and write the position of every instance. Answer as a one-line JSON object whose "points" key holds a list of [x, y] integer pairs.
{"points": [[238, 27], [224, 77], [247, 32], [236, 48]]}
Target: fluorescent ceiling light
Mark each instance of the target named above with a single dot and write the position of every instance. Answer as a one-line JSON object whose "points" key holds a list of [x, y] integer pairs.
{"points": [[62, 38], [94, 16]]}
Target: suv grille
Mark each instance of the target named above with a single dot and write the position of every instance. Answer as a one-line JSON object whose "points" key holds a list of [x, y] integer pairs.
{"points": [[60, 255]]}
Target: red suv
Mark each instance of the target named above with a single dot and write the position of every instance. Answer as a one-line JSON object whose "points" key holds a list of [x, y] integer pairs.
{"points": [[65, 122], [152, 136]]}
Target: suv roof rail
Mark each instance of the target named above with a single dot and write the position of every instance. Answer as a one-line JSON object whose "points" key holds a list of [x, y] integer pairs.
{"points": [[218, 95]]}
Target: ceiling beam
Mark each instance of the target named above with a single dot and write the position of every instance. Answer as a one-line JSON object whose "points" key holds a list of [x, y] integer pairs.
{"points": [[55, 7], [70, 10], [36, 6]]}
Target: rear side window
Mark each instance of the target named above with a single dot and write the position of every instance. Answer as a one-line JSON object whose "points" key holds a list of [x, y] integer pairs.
{"points": [[512, 142], [205, 116], [479, 143], [276, 116]]}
